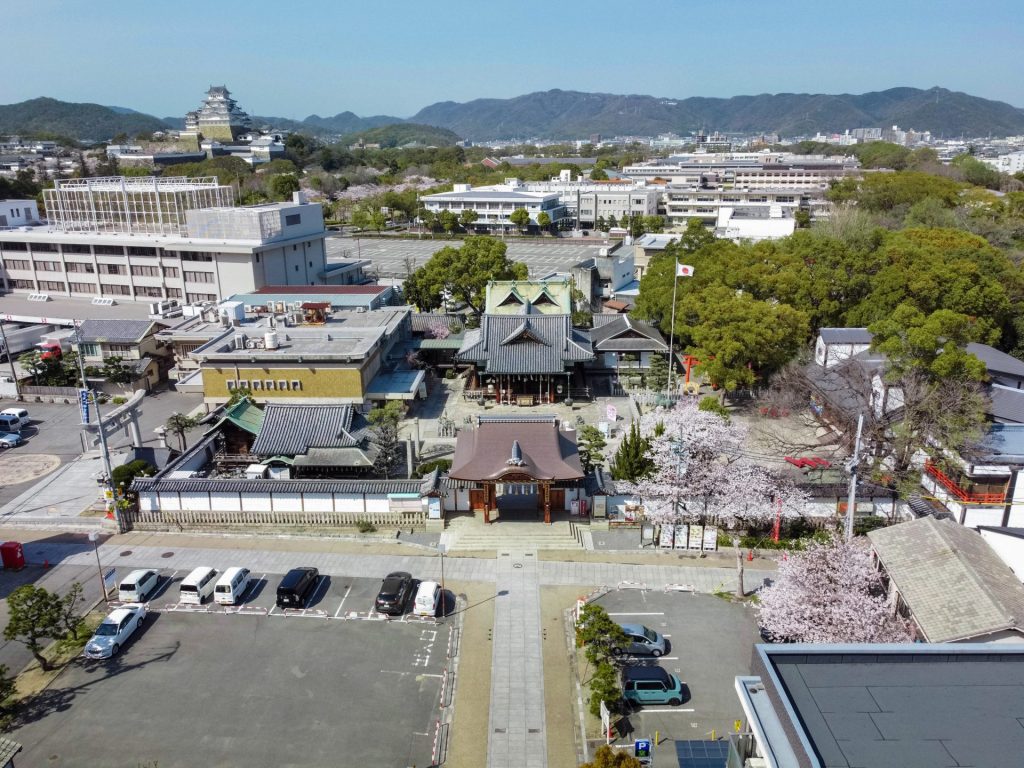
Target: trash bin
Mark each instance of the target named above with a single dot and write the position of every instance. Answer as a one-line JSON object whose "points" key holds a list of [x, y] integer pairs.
{"points": [[13, 555]]}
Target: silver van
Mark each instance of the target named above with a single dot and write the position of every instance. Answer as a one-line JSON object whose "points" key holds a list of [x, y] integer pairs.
{"points": [[137, 586], [19, 413], [643, 640], [9, 423]]}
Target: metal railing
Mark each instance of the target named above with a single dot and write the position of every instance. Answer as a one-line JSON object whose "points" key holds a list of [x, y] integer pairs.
{"points": [[960, 493]]}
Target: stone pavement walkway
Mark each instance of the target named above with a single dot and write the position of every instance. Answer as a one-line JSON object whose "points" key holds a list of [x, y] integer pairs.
{"points": [[517, 736]]}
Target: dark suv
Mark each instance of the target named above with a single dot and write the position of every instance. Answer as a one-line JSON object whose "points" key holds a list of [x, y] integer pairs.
{"points": [[394, 593], [296, 587]]}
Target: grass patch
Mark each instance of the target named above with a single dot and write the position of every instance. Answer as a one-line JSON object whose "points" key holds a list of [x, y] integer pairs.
{"points": [[33, 679]]}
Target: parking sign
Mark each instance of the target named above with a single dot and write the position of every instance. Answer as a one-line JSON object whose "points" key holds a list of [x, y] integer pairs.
{"points": [[642, 748]]}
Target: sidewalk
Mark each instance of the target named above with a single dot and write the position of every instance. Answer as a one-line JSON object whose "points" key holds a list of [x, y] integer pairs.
{"points": [[59, 498]]}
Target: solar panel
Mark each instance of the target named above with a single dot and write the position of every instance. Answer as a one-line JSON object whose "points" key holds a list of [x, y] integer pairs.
{"points": [[702, 754]]}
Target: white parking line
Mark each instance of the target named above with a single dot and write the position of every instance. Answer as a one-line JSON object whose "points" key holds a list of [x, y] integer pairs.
{"points": [[343, 601], [316, 592], [271, 611], [674, 709]]}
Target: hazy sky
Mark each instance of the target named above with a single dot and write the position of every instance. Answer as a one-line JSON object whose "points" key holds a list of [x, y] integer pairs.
{"points": [[290, 58]]}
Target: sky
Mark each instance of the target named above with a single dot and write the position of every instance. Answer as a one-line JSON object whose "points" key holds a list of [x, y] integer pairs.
{"points": [[290, 58]]}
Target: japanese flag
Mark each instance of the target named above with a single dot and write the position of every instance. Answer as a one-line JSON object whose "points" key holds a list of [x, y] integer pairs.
{"points": [[683, 270]]}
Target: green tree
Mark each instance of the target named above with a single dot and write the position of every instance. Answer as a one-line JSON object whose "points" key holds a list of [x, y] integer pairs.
{"points": [[428, 219], [604, 687], [378, 220], [601, 224], [602, 638], [591, 444], [933, 345], [282, 185], [598, 174], [520, 217], [35, 616], [70, 617], [447, 220], [653, 224], [384, 438], [695, 237], [124, 474], [462, 274], [802, 218], [179, 424], [609, 757], [116, 371], [632, 460], [657, 373], [543, 220], [237, 394], [612, 222], [713, 405], [467, 218]]}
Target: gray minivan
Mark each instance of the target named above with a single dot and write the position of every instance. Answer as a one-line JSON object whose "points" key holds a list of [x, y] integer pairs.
{"points": [[643, 640]]}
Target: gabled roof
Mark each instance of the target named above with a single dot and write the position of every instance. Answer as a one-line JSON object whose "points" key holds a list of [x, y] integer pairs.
{"points": [[292, 430], [953, 582], [115, 331], [526, 344], [996, 361], [1006, 404], [534, 446], [244, 414], [621, 333], [846, 335]]}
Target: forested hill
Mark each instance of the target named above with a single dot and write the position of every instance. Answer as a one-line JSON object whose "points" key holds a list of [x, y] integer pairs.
{"points": [[571, 114], [83, 122]]}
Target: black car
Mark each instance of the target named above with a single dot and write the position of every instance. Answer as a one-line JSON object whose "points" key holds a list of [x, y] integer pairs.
{"points": [[297, 587], [394, 593]]}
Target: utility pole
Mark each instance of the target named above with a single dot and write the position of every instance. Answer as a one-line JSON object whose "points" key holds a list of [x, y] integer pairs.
{"points": [[104, 450], [10, 360], [851, 500], [672, 332]]}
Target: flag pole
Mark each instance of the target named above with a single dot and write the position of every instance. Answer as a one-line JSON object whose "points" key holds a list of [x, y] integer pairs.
{"points": [[672, 329]]}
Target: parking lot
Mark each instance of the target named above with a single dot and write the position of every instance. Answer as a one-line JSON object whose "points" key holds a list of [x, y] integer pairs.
{"points": [[710, 643], [331, 684]]}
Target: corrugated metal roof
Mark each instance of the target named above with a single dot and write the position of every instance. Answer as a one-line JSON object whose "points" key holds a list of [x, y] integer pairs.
{"points": [[955, 585], [114, 331], [291, 430]]}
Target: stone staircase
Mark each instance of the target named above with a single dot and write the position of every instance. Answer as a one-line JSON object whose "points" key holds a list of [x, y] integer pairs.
{"points": [[466, 534]]}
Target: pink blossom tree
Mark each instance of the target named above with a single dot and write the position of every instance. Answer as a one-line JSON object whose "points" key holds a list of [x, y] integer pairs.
{"points": [[702, 475], [830, 593], [439, 329]]}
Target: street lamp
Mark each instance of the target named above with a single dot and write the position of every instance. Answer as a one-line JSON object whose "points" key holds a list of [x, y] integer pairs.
{"points": [[94, 537]]}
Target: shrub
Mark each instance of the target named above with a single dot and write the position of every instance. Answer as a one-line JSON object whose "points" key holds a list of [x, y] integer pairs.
{"points": [[365, 526], [429, 466], [119, 400], [450, 373]]}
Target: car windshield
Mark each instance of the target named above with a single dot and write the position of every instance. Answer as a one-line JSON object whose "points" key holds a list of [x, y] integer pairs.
{"points": [[106, 629], [650, 635]]}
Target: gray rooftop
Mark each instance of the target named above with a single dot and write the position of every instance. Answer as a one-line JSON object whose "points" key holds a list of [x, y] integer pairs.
{"points": [[481, 194], [61, 308], [229, 485], [1006, 404], [910, 706], [954, 584], [846, 335], [526, 344], [621, 333], [292, 430], [996, 361], [115, 331]]}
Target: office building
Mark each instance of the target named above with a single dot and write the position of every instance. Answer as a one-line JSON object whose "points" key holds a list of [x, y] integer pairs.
{"points": [[495, 205]]}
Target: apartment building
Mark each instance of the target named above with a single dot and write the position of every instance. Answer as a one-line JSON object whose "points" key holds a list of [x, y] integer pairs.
{"points": [[587, 201], [143, 239], [750, 169]]}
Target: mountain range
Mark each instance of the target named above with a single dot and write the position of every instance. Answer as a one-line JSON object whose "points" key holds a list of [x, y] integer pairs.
{"points": [[557, 114]]}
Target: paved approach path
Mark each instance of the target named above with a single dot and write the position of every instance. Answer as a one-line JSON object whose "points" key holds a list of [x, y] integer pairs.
{"points": [[517, 735], [549, 573]]}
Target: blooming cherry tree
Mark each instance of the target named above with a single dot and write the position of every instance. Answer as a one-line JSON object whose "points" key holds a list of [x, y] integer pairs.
{"points": [[702, 475], [830, 593]]}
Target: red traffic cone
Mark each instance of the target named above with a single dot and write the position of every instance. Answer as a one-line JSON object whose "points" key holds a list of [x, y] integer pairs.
{"points": [[750, 555], [46, 563]]}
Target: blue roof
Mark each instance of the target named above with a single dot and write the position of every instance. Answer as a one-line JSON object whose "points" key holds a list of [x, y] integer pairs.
{"points": [[1004, 442]]}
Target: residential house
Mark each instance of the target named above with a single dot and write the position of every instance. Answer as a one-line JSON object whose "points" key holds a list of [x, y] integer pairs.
{"points": [[134, 341]]}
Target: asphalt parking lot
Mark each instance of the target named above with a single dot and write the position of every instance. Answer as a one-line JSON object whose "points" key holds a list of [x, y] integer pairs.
{"points": [[253, 686], [55, 431], [710, 643]]}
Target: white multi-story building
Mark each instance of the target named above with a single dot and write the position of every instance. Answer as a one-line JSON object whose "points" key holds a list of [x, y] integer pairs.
{"points": [[145, 238], [1012, 162], [494, 205], [746, 169], [18, 213]]}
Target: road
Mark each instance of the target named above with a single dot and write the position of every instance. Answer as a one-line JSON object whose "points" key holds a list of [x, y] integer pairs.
{"points": [[393, 258]]}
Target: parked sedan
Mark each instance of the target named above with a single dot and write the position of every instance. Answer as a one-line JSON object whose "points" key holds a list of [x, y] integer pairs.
{"points": [[9, 439], [115, 630], [395, 593]]}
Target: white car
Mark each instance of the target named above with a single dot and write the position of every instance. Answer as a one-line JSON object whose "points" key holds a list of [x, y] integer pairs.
{"points": [[9, 439], [114, 631]]}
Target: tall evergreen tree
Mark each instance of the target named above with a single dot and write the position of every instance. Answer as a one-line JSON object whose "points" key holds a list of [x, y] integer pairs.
{"points": [[632, 460]]}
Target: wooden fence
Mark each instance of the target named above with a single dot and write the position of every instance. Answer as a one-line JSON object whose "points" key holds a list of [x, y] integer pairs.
{"points": [[180, 520]]}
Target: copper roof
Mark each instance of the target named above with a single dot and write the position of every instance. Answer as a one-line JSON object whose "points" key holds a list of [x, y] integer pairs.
{"points": [[530, 446]]}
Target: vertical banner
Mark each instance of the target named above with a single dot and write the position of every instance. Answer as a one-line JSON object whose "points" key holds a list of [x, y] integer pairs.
{"points": [[696, 537], [83, 404], [681, 534], [666, 537]]}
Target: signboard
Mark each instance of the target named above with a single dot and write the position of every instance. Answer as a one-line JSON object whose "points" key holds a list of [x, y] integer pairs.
{"points": [[601, 506], [681, 532], [612, 412], [434, 508], [83, 404], [606, 723], [108, 579], [642, 748], [710, 538], [666, 538], [696, 537]]}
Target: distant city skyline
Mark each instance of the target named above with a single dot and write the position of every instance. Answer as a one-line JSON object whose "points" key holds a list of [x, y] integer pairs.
{"points": [[282, 62]]}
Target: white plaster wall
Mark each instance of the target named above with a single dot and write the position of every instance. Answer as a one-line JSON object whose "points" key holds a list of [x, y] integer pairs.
{"points": [[377, 504], [347, 502], [1009, 548], [287, 502], [197, 502], [319, 502], [256, 502], [169, 502], [223, 501], [148, 502], [983, 516]]}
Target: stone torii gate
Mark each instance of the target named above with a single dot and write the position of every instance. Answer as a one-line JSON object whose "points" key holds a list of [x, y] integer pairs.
{"points": [[125, 416]]}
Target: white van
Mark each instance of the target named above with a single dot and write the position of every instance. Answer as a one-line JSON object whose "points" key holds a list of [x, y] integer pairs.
{"points": [[137, 586], [428, 597], [9, 423], [19, 413], [197, 586], [231, 586]]}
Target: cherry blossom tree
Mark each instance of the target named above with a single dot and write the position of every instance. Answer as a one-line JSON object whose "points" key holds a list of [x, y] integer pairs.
{"points": [[830, 593], [702, 475]]}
